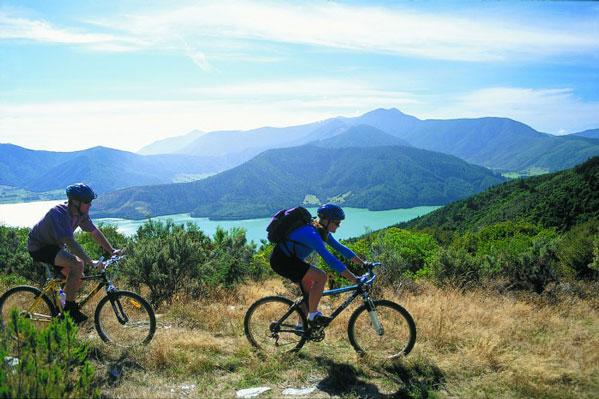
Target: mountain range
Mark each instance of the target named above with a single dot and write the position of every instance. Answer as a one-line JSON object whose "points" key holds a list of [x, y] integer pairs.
{"points": [[105, 169], [496, 143], [377, 178]]}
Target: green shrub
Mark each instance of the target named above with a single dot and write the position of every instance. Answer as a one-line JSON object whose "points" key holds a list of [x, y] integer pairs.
{"points": [[455, 266], [14, 257], [403, 254], [229, 260], [259, 267], [173, 259], [48, 363], [533, 268], [576, 248], [501, 239], [166, 258], [91, 248]]}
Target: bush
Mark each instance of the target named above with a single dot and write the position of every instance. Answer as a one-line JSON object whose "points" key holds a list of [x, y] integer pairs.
{"points": [[47, 363], [456, 267], [14, 257], [532, 269], [229, 259], [166, 258], [576, 249], [402, 252], [91, 248], [259, 267]]}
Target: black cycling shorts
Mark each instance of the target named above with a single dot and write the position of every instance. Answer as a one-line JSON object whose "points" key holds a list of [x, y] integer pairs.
{"points": [[45, 254], [290, 267]]}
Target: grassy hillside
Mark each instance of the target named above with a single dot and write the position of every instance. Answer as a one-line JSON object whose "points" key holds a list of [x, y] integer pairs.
{"points": [[376, 178], [558, 200]]}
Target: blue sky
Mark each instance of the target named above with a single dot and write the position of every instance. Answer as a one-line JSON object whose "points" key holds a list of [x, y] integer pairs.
{"points": [[75, 74]]}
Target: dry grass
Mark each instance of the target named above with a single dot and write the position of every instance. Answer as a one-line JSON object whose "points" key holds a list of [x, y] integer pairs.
{"points": [[470, 344]]}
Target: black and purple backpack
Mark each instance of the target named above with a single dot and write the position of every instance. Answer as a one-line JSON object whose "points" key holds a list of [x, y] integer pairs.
{"points": [[285, 221]]}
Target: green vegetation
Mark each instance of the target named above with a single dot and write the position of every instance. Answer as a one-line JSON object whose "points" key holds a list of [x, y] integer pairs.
{"points": [[376, 178], [46, 363], [560, 200], [484, 290]]}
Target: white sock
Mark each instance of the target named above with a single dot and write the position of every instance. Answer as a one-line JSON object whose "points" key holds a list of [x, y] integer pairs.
{"points": [[312, 315]]}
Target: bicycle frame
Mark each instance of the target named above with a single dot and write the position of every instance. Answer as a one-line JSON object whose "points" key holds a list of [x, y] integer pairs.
{"points": [[54, 283], [358, 289]]}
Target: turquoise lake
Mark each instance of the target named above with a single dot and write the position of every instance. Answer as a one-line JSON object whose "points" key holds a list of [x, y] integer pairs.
{"points": [[358, 221]]}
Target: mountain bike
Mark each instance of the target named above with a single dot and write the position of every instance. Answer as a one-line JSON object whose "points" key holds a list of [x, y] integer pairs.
{"points": [[121, 317], [378, 328]]}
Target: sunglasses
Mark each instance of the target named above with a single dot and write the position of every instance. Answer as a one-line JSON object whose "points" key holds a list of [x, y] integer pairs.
{"points": [[337, 222]]}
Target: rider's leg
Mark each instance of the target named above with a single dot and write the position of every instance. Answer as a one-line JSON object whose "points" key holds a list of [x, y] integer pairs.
{"points": [[72, 268], [318, 278], [305, 288]]}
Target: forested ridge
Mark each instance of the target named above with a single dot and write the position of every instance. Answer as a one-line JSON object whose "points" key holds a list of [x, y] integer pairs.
{"points": [[376, 178], [559, 200]]}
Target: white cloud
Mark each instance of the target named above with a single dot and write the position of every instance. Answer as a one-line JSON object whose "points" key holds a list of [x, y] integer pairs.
{"points": [[363, 28], [15, 28], [218, 27], [556, 111], [133, 124]]}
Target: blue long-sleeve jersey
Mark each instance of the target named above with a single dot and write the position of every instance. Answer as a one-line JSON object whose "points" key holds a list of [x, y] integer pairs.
{"points": [[305, 240]]}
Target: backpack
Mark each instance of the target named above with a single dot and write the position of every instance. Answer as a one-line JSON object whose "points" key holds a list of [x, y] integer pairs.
{"points": [[285, 221]]}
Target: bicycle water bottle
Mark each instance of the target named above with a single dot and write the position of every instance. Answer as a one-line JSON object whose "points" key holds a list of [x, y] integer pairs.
{"points": [[63, 297]]}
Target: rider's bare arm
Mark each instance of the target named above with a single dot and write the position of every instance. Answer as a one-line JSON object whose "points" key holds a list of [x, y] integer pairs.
{"points": [[99, 237], [78, 251], [349, 275], [356, 260]]}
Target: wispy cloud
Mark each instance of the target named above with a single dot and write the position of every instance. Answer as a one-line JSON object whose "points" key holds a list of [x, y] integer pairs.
{"points": [[16, 28], [362, 28], [133, 124], [391, 30]]}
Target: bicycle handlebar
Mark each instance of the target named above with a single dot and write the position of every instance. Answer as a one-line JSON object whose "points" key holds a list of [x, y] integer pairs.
{"points": [[110, 261]]}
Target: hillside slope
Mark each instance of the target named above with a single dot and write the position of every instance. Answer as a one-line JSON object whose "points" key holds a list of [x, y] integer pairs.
{"points": [[559, 200], [376, 178], [105, 169]]}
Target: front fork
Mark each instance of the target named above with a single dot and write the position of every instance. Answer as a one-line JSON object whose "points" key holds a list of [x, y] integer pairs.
{"points": [[374, 317]]}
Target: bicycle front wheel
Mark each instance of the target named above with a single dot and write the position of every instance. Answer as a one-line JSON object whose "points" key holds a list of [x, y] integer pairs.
{"points": [[30, 302], [384, 330], [272, 326], [125, 319]]}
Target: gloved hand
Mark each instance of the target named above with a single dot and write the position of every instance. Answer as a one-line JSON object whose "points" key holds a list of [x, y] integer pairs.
{"points": [[363, 278]]}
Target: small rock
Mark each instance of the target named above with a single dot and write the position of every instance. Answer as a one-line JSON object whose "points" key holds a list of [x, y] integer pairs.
{"points": [[251, 392], [188, 387], [11, 361], [298, 391]]}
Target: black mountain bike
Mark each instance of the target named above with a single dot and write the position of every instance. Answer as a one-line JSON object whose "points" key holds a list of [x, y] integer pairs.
{"points": [[378, 328], [122, 318]]}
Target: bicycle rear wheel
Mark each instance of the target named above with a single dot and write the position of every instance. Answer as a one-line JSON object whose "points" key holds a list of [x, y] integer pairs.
{"points": [[386, 333], [273, 327], [125, 319], [30, 303]]}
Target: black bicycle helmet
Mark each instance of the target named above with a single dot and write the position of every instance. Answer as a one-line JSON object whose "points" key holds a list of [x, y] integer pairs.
{"points": [[80, 192]]}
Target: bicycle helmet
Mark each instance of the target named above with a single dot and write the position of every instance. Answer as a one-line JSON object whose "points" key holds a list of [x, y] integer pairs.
{"points": [[80, 192], [331, 212]]}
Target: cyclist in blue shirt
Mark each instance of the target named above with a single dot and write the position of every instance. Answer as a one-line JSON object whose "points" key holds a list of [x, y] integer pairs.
{"points": [[288, 257]]}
